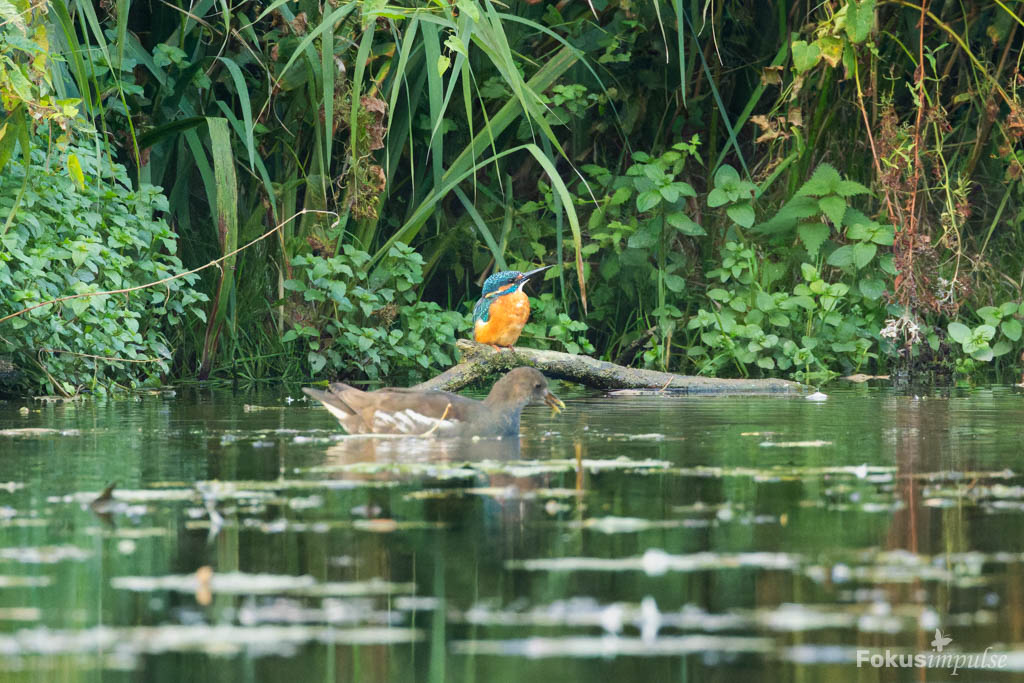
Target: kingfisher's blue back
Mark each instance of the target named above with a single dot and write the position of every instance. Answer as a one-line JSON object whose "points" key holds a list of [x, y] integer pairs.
{"points": [[498, 284]]}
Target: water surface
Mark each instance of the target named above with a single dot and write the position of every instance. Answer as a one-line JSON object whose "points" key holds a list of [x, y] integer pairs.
{"points": [[631, 539]]}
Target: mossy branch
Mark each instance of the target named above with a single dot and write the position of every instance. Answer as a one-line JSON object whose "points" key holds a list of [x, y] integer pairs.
{"points": [[480, 361]]}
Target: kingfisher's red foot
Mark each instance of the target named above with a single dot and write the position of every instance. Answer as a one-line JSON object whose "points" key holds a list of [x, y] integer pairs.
{"points": [[495, 347]]}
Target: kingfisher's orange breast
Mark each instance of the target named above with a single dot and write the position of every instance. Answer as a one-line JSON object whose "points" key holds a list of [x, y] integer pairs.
{"points": [[506, 318]]}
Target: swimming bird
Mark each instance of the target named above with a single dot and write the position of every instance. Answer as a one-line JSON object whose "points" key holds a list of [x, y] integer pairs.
{"points": [[418, 413], [502, 311]]}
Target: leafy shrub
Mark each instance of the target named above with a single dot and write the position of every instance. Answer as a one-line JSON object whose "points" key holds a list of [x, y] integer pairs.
{"points": [[85, 230], [369, 322]]}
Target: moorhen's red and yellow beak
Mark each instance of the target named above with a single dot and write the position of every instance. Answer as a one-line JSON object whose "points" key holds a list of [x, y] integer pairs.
{"points": [[556, 404]]}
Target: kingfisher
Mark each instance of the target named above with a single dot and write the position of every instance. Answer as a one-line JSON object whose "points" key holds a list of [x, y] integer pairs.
{"points": [[422, 413], [502, 311]]}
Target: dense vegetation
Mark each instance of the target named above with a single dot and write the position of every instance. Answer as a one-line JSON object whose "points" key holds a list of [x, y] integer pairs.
{"points": [[735, 188]]}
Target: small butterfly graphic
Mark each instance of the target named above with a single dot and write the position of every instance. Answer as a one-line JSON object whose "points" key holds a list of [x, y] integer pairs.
{"points": [[940, 641]]}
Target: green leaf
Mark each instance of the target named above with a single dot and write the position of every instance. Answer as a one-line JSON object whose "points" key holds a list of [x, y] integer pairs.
{"points": [[1001, 348], [764, 301], [675, 283], [75, 171], [849, 188], [983, 353], [984, 332], [742, 213], [621, 195], [813, 235], [824, 181], [863, 253], [1011, 327], [990, 314], [684, 224], [834, 207], [717, 197], [766, 362], [871, 288], [860, 17], [726, 177], [805, 56], [646, 201], [719, 294], [959, 332], [316, 362], [841, 257], [1008, 308]]}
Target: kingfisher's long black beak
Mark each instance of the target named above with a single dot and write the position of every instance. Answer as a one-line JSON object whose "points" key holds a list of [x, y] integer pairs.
{"points": [[532, 273]]}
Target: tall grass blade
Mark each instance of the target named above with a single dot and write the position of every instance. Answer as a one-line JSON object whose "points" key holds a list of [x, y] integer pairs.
{"points": [[226, 201]]}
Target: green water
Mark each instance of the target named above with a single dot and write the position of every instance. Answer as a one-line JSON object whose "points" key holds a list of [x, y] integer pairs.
{"points": [[630, 539]]}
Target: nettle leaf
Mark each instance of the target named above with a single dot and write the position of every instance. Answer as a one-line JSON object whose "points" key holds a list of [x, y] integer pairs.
{"points": [[834, 207], [793, 211], [813, 235], [863, 253], [849, 188], [742, 213], [684, 224], [824, 181]]}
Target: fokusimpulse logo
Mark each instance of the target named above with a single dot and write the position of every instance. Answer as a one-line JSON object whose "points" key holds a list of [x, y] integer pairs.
{"points": [[936, 659]]}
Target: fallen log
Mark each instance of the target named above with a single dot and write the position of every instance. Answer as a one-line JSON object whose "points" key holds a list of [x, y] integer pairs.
{"points": [[480, 361]]}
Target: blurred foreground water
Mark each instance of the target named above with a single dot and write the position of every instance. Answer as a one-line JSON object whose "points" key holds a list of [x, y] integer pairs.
{"points": [[630, 539]]}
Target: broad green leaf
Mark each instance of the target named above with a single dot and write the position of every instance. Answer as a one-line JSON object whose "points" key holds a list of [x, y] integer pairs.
{"points": [[871, 288], [1011, 327], [990, 314], [75, 171], [805, 56], [645, 201], [742, 213], [719, 294], [1001, 348], [684, 224], [959, 332], [863, 253], [717, 197], [841, 257], [985, 332], [675, 283], [726, 176], [860, 17]]}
